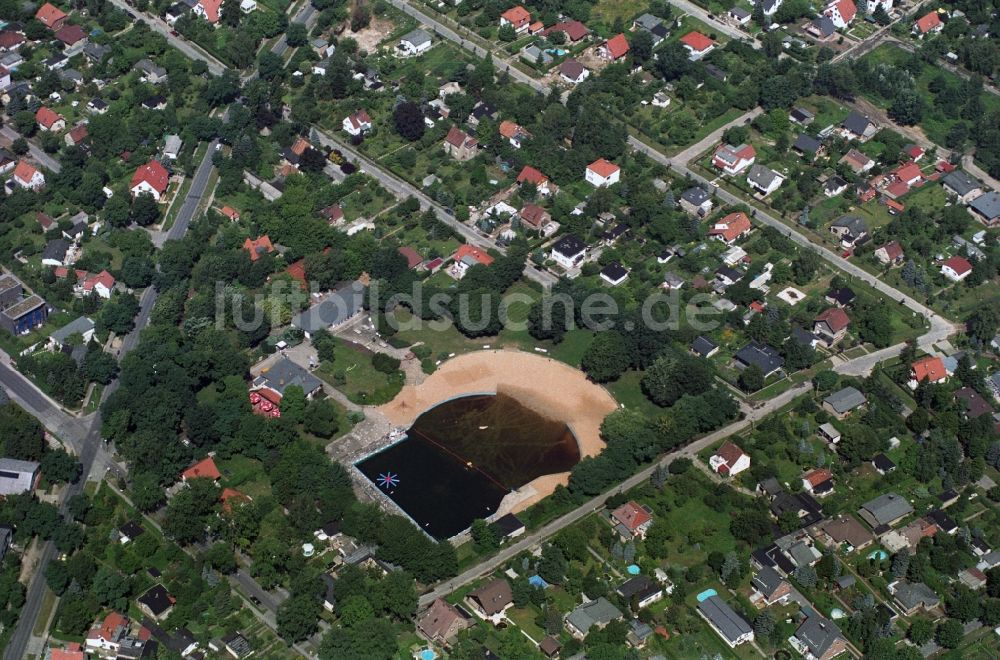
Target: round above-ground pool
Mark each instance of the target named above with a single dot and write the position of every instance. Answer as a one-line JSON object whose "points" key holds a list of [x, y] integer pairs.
{"points": [[881, 555], [428, 654], [632, 569], [837, 613]]}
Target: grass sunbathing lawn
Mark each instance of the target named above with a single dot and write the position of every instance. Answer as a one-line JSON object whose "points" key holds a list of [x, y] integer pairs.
{"points": [[353, 374]]}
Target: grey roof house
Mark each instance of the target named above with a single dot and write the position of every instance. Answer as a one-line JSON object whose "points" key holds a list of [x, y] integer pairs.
{"points": [[844, 401], [733, 628], [82, 326], [283, 373], [818, 637], [761, 355], [885, 510], [913, 596], [987, 207], [598, 613], [17, 476], [961, 185], [336, 309]]}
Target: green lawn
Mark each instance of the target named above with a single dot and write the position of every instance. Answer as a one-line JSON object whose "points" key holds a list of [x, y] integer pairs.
{"points": [[353, 374]]}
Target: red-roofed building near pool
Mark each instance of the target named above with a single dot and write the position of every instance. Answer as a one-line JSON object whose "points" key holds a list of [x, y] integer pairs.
{"points": [[530, 175], [465, 257], [632, 519], [614, 48], [516, 17]]}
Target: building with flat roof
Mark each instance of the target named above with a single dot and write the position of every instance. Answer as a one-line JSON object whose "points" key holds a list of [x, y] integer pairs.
{"points": [[17, 476]]}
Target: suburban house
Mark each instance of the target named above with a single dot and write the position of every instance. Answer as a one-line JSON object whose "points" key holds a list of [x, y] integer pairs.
{"points": [[465, 257], [956, 268], [614, 48], [51, 16], [151, 178], [883, 464], [829, 432], [21, 312], [834, 186], [856, 126], [807, 146], [102, 284], [929, 23], [156, 602], [890, 254], [857, 161], [596, 613], [730, 626], [441, 622], [614, 273], [459, 145], [210, 10], [973, 403], [818, 638], [986, 208], [357, 123], [17, 476], [516, 17], [414, 42], [831, 325], [258, 247], [602, 173], [704, 347], [568, 251], [841, 12], [961, 185], [697, 45], [930, 368], [82, 326], [764, 180], [769, 588], [696, 201], [850, 229], [237, 645], [740, 15], [49, 120], [731, 228], [640, 590], [574, 30], [203, 469], [729, 460], [818, 482], [768, 360], [573, 72], [913, 597], [514, 133], [535, 217], [151, 73], [107, 637], [530, 175], [509, 526], [632, 520], [843, 402], [733, 160], [844, 530], [885, 510], [492, 599], [73, 37], [28, 176]]}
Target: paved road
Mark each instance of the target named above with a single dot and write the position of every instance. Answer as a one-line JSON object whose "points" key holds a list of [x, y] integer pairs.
{"points": [[191, 50], [85, 435], [730, 31], [40, 156], [688, 451], [402, 189]]}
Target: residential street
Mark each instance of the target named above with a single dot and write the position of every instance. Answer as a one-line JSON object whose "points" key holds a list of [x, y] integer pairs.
{"points": [[189, 49], [40, 156], [84, 435]]}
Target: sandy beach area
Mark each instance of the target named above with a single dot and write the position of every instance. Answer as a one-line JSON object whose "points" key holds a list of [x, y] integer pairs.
{"points": [[549, 387]]}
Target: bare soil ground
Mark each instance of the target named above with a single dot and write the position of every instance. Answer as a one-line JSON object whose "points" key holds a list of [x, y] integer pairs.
{"points": [[370, 37]]}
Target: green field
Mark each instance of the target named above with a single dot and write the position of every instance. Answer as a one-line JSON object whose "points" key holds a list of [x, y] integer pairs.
{"points": [[352, 373]]}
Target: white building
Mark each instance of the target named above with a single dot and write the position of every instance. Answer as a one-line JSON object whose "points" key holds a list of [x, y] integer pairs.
{"points": [[602, 173]]}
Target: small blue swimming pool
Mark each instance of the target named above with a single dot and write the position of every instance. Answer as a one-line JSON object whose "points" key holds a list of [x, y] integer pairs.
{"points": [[706, 594], [538, 581], [428, 654], [881, 555], [558, 52], [632, 569]]}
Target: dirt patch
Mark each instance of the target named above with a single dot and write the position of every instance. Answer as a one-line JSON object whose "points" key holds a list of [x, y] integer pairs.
{"points": [[590, 59], [547, 386], [369, 38]]}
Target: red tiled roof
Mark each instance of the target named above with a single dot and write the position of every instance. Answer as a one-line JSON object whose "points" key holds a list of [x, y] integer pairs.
{"points": [[509, 129], [9, 39], [106, 630], [929, 368], [893, 250], [958, 264], [152, 173], [617, 46], [232, 494], [834, 317], [731, 226], [259, 246], [697, 41], [45, 221], [46, 117], [730, 453], [574, 30], [457, 137], [818, 476], [70, 34], [67, 654], [531, 175], [50, 15], [203, 469], [909, 171], [230, 212], [79, 133], [25, 171], [474, 252], [928, 22], [897, 188], [413, 258], [603, 168], [300, 146], [894, 206], [211, 8], [104, 277], [632, 515], [847, 10], [516, 16], [914, 151], [532, 214]]}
